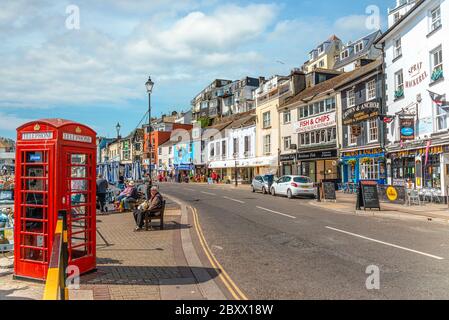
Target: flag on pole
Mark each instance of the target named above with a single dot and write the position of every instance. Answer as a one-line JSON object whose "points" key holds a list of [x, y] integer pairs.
{"points": [[439, 100]]}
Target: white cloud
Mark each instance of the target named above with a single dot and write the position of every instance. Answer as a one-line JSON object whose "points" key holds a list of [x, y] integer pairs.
{"points": [[11, 121], [89, 66]]}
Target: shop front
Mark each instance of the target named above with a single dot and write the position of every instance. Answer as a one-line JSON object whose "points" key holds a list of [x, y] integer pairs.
{"points": [[227, 169], [366, 164], [319, 166], [288, 164], [422, 168]]}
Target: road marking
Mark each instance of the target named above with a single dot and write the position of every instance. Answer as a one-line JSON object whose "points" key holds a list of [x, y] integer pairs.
{"points": [[190, 189], [223, 275], [208, 193], [386, 243], [239, 201], [282, 214]]}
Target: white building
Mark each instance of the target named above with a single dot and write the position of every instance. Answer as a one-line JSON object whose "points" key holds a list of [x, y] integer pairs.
{"points": [[7, 155], [166, 156], [415, 49], [235, 151]]}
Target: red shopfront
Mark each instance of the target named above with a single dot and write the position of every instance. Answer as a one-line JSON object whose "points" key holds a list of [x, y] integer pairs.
{"points": [[55, 170]]}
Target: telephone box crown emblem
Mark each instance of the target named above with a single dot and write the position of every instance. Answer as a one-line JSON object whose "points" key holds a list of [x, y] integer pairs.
{"points": [[78, 130], [37, 127]]}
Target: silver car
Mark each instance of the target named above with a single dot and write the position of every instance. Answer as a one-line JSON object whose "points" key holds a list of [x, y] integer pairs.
{"points": [[293, 186], [263, 183]]}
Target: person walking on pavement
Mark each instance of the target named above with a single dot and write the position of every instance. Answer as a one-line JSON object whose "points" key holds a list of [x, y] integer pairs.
{"points": [[102, 189], [152, 206]]}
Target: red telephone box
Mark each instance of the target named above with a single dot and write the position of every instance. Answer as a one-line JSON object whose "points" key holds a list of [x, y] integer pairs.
{"points": [[55, 170]]}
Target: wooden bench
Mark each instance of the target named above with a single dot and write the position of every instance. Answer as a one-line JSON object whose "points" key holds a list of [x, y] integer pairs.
{"points": [[149, 219]]}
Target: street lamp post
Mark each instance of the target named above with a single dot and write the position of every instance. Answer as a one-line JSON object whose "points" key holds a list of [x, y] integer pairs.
{"points": [[117, 127], [149, 85]]}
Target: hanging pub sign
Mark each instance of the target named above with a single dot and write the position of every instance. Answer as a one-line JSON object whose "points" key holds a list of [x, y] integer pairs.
{"points": [[356, 131], [407, 129], [360, 113]]}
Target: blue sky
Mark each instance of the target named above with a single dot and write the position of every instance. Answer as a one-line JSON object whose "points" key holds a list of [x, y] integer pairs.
{"points": [[96, 74]]}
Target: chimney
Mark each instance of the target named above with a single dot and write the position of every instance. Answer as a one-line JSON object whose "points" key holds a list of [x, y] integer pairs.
{"points": [[297, 81]]}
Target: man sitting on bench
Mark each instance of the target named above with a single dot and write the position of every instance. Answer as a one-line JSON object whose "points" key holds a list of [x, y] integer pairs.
{"points": [[152, 206]]}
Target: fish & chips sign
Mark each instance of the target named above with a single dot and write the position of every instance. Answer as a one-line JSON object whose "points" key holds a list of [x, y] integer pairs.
{"points": [[315, 123]]}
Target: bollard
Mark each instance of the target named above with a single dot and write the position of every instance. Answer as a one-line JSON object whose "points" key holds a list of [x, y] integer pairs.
{"points": [[318, 193]]}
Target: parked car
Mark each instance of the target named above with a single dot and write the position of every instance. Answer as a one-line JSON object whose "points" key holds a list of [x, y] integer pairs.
{"points": [[263, 183], [293, 186]]}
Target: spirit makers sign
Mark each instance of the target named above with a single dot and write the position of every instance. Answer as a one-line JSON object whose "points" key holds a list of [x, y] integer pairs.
{"points": [[416, 74]]}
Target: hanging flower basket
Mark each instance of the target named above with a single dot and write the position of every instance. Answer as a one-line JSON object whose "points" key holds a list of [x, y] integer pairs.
{"points": [[366, 160], [381, 159], [352, 162], [399, 93], [437, 74]]}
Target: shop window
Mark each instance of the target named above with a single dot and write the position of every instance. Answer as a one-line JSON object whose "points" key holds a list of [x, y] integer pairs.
{"points": [[369, 169], [266, 120], [399, 84], [287, 117], [352, 138], [436, 58], [267, 144], [397, 48], [441, 117], [351, 98], [435, 19], [432, 172], [373, 130], [371, 90], [287, 143]]}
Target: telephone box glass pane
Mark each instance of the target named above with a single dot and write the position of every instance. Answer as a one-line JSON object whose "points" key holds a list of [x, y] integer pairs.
{"points": [[35, 157], [34, 198], [79, 185], [78, 212], [78, 159], [78, 199], [78, 172], [33, 254], [35, 171]]}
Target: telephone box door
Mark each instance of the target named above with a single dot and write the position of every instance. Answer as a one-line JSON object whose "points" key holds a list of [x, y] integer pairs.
{"points": [[33, 205], [80, 201]]}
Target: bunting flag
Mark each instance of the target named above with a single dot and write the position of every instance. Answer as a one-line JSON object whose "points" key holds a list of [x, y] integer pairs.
{"points": [[387, 119], [439, 100], [429, 144]]}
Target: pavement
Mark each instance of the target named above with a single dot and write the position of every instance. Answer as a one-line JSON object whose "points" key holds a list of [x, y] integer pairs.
{"points": [[276, 248], [147, 265], [346, 203]]}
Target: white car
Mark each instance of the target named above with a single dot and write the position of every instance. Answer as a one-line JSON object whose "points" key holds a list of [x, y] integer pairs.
{"points": [[293, 186]]}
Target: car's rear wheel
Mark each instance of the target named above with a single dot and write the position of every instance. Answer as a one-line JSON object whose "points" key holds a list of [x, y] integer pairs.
{"points": [[273, 192], [289, 194]]}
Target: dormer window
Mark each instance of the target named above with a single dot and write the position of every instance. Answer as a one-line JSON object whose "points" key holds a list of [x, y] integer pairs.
{"points": [[345, 54], [358, 47]]}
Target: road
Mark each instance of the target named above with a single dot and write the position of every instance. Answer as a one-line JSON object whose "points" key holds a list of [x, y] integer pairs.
{"points": [[275, 248]]}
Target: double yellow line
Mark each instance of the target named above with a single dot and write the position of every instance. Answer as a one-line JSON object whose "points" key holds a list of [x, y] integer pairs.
{"points": [[223, 275]]}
